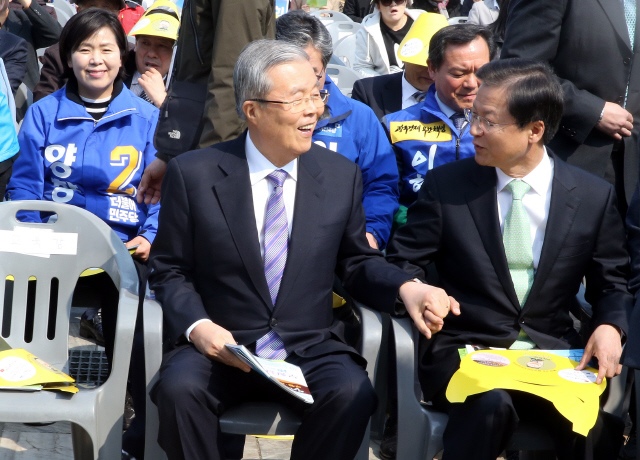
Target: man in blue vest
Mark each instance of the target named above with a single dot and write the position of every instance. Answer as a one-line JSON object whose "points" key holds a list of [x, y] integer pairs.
{"points": [[349, 128], [435, 131]]}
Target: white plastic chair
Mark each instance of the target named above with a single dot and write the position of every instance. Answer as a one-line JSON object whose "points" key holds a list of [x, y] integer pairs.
{"points": [[457, 20], [342, 29], [63, 16], [343, 77], [328, 16], [65, 6], [345, 50], [257, 418], [96, 415]]}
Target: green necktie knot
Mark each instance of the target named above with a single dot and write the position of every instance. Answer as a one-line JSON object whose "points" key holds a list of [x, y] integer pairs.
{"points": [[518, 188]]}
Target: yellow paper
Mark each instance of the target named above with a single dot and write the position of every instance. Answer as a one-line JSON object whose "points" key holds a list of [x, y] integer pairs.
{"points": [[574, 393], [20, 368], [65, 388], [417, 131], [338, 301]]}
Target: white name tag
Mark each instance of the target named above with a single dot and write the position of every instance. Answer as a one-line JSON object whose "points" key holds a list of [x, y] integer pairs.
{"points": [[40, 242]]}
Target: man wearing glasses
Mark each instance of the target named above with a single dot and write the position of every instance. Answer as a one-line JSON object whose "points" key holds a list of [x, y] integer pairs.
{"points": [[252, 234], [435, 131], [512, 233], [349, 128]]}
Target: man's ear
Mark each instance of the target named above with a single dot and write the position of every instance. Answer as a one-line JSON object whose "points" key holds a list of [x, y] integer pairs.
{"points": [[250, 110], [432, 73], [537, 131]]}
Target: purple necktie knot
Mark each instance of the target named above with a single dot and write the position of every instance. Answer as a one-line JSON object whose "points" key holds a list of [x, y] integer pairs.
{"points": [[277, 177]]}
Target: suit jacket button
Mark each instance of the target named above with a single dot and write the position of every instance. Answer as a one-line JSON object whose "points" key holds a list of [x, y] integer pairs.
{"points": [[626, 61], [274, 322], [521, 321]]}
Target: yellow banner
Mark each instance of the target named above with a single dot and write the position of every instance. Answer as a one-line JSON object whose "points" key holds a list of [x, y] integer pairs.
{"points": [[574, 393], [418, 131]]}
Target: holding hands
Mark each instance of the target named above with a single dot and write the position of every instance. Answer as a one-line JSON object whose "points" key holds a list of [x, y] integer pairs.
{"points": [[427, 306]]}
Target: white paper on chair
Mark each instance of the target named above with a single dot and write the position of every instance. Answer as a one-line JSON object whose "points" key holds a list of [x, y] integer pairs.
{"points": [[39, 242]]}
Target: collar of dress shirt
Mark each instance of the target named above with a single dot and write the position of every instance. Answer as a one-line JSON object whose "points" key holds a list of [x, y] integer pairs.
{"points": [[539, 179], [448, 111], [492, 4], [408, 90], [260, 167]]}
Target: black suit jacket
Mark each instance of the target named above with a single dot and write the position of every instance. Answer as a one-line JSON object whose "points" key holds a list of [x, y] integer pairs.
{"points": [[357, 9], [454, 224], [13, 51], [206, 262], [382, 93], [587, 44]]}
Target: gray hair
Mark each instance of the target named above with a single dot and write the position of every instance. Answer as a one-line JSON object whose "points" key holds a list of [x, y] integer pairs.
{"points": [[250, 79], [304, 30]]}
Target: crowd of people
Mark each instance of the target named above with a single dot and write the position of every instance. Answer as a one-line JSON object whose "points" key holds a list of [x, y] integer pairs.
{"points": [[477, 176]]}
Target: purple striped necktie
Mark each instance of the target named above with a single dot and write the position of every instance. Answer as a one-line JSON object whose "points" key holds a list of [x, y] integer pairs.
{"points": [[276, 242]]}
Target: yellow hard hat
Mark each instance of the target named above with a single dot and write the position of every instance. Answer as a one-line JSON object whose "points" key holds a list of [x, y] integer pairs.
{"points": [[415, 46], [162, 19]]}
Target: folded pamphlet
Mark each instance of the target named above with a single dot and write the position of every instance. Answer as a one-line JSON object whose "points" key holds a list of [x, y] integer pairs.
{"points": [[287, 376]]}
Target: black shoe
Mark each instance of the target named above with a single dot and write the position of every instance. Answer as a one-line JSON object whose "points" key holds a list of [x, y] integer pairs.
{"points": [[129, 413], [389, 447], [127, 456], [91, 326]]}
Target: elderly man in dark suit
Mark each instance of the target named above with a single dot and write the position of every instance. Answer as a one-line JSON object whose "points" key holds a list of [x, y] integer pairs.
{"points": [[591, 46], [512, 233], [251, 234]]}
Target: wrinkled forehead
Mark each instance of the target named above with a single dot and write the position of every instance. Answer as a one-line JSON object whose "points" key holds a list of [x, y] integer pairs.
{"points": [[292, 78]]}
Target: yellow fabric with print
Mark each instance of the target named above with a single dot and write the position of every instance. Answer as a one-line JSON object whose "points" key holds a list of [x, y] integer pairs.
{"points": [[573, 393], [418, 131]]}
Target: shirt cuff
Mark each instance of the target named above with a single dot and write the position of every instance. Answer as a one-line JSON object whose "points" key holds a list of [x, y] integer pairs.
{"points": [[193, 326]]}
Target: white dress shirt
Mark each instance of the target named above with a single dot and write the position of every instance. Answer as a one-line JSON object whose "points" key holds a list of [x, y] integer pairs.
{"points": [[408, 90], [261, 189], [535, 201]]}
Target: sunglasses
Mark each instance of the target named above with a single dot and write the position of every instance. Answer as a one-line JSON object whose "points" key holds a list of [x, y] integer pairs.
{"points": [[389, 2]]}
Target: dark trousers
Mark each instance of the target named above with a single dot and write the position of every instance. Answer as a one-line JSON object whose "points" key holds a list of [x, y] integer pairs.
{"points": [[481, 427], [193, 391]]}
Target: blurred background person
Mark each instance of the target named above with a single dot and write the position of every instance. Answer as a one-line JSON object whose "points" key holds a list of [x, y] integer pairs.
{"points": [[357, 9], [156, 34], [381, 33], [14, 53], [484, 12], [35, 25], [386, 94]]}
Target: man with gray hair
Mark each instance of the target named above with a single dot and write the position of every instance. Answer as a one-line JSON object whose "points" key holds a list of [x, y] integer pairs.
{"points": [[251, 234], [349, 127]]}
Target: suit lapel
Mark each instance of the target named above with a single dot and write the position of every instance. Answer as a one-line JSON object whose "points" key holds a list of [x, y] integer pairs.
{"points": [[482, 203], [306, 219], [614, 10], [236, 200], [562, 212]]}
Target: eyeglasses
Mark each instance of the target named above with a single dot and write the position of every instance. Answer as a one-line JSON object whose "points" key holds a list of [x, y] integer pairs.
{"points": [[485, 124], [318, 100], [389, 2]]}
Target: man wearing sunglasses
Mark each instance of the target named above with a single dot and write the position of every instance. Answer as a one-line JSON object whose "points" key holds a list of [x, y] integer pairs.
{"points": [[435, 132], [512, 233], [348, 127]]}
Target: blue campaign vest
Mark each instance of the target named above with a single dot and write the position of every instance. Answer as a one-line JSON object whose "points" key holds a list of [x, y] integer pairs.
{"points": [[424, 138]]}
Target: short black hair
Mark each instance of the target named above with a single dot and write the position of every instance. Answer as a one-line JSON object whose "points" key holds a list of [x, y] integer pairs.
{"points": [[302, 29], [82, 26], [459, 34], [534, 91]]}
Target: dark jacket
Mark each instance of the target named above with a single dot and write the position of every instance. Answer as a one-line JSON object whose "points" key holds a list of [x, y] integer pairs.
{"points": [[14, 52], [594, 64], [39, 29], [206, 262], [382, 93], [357, 9]]}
